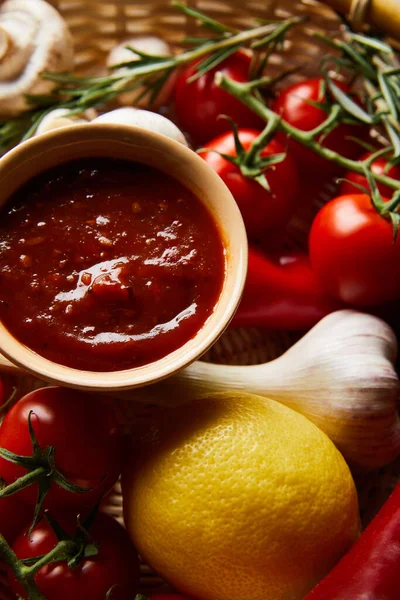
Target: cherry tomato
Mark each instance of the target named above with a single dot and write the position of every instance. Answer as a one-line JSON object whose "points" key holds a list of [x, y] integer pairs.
{"points": [[84, 433], [263, 211], [116, 564], [13, 518], [293, 104], [352, 252], [199, 103], [379, 167]]}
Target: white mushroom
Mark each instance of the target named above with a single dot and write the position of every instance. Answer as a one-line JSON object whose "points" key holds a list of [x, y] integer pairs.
{"points": [[33, 39], [151, 45], [143, 118], [58, 118]]}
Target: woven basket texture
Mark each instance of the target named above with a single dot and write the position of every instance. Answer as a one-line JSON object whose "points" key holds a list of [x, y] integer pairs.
{"points": [[97, 26]]}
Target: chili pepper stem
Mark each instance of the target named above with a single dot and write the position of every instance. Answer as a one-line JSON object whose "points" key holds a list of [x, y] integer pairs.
{"points": [[243, 93]]}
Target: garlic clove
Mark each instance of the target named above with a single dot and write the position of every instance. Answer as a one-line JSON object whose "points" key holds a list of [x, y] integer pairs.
{"points": [[57, 119], [145, 119], [33, 39], [340, 375], [151, 45]]}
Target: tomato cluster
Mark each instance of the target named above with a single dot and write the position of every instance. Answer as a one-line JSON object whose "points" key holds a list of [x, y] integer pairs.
{"points": [[62, 450], [80, 435], [353, 258]]}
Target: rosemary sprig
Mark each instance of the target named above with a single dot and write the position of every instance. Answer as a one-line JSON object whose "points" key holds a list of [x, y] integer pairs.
{"points": [[147, 72], [243, 91], [372, 63]]}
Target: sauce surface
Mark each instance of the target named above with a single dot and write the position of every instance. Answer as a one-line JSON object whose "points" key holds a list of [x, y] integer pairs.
{"points": [[107, 265]]}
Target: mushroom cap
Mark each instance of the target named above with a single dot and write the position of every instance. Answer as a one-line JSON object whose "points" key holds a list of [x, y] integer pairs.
{"points": [[58, 118], [146, 119], [151, 45], [34, 39]]}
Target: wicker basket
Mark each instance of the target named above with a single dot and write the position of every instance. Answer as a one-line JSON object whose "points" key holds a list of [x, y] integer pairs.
{"points": [[97, 25]]}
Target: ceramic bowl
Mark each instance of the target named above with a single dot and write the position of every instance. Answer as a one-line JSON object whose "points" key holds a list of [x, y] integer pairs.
{"points": [[130, 143]]}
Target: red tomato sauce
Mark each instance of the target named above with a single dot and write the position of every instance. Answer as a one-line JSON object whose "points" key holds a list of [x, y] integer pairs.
{"points": [[107, 265]]}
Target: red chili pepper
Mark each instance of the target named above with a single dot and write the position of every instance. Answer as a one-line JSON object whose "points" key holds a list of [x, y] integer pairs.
{"points": [[282, 292], [371, 569]]}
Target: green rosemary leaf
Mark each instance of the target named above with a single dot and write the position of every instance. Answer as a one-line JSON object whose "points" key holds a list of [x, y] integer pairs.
{"points": [[394, 137], [327, 40], [40, 100], [204, 20], [362, 143], [197, 41], [157, 85], [371, 42], [151, 58], [213, 61], [348, 104], [273, 36], [68, 79], [388, 95], [358, 59], [393, 72]]}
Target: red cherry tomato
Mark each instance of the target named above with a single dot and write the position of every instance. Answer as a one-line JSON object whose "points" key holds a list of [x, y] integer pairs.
{"points": [[353, 254], [84, 433], [199, 103], [13, 518], [263, 211], [293, 104], [116, 564], [379, 167]]}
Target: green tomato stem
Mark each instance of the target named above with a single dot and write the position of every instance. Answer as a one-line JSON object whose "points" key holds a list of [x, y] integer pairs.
{"points": [[261, 141], [19, 570], [23, 482], [330, 120], [243, 92], [61, 553]]}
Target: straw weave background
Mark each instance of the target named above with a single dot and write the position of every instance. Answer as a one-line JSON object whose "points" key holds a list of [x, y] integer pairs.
{"points": [[97, 25]]}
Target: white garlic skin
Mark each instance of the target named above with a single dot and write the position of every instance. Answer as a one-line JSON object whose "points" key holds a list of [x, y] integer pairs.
{"points": [[340, 376], [145, 119], [151, 45]]}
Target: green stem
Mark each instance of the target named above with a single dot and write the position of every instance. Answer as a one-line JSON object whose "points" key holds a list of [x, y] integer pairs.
{"points": [[192, 55], [60, 553], [21, 572], [261, 141], [243, 93], [330, 120], [23, 482]]}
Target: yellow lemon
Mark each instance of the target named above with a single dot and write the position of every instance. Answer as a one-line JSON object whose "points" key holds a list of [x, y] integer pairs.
{"points": [[238, 497]]}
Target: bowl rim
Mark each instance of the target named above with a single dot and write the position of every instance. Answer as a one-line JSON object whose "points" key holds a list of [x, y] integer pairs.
{"points": [[235, 245]]}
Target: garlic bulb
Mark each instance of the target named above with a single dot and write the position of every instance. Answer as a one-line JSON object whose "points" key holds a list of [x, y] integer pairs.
{"points": [[144, 119], [150, 45], [33, 39], [340, 375]]}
